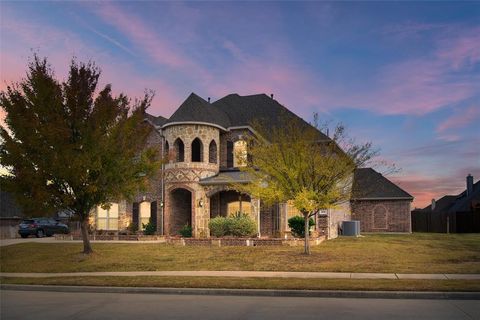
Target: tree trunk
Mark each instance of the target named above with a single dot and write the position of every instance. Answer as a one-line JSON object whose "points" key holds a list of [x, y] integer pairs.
{"points": [[307, 233], [87, 248]]}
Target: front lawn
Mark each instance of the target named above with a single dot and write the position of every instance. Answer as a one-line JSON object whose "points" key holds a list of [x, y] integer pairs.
{"points": [[415, 253]]}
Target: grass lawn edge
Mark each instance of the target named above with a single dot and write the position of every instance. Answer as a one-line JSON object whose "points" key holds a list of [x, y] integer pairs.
{"points": [[256, 283]]}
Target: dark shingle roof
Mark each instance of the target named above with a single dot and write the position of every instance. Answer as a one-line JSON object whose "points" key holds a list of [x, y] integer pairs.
{"points": [[197, 109], [158, 121], [244, 110], [442, 204], [369, 184], [458, 203]]}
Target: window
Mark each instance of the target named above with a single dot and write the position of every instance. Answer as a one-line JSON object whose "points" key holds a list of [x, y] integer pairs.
{"points": [[107, 219], [179, 150], [229, 154], [292, 211], [167, 150], [240, 153], [144, 214], [197, 150], [212, 152], [242, 205]]}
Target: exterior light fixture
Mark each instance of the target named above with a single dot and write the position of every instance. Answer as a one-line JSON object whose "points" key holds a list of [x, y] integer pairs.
{"points": [[200, 203]]}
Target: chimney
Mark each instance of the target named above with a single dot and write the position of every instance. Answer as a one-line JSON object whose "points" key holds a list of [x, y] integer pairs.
{"points": [[469, 185], [271, 95], [208, 99], [433, 204]]}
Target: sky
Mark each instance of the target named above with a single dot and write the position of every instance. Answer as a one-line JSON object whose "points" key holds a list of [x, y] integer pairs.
{"points": [[403, 75]]}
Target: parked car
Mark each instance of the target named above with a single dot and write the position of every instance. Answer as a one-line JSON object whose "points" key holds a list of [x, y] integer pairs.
{"points": [[41, 227]]}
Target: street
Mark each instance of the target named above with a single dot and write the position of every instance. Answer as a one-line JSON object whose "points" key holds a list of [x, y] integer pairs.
{"points": [[61, 305]]}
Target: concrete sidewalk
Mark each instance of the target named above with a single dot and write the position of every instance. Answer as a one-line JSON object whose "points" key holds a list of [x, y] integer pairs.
{"points": [[251, 274]]}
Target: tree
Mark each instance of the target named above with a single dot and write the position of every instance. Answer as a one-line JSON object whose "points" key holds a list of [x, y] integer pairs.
{"points": [[68, 147], [295, 162]]}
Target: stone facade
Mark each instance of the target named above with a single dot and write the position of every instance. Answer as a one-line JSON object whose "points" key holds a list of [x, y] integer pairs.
{"points": [[382, 215], [196, 151]]}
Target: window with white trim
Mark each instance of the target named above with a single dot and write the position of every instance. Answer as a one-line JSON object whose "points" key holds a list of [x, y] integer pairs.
{"points": [[107, 219]]}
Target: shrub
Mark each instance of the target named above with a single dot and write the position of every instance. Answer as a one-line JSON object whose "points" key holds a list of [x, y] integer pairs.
{"points": [[132, 228], [241, 225], [297, 225], [186, 231], [149, 228], [237, 225], [218, 226]]}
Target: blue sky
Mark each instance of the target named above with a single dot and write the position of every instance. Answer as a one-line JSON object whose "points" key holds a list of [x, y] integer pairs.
{"points": [[403, 75]]}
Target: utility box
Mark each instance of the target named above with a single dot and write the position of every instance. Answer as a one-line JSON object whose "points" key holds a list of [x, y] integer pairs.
{"points": [[351, 228]]}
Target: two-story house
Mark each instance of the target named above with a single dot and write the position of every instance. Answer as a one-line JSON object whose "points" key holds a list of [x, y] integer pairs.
{"points": [[205, 143]]}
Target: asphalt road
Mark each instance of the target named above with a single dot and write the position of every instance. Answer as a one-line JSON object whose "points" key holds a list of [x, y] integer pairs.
{"points": [[58, 305]]}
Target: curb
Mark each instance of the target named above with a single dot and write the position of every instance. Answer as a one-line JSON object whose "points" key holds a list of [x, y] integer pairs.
{"points": [[253, 292]]}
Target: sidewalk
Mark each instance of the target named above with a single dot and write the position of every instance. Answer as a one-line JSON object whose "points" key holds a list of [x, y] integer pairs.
{"points": [[251, 274]]}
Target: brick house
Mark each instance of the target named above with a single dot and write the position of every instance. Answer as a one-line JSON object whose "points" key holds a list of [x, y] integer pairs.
{"points": [[201, 139]]}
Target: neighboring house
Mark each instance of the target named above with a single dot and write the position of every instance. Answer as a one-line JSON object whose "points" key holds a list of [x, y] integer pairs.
{"points": [[10, 215], [455, 213], [201, 139]]}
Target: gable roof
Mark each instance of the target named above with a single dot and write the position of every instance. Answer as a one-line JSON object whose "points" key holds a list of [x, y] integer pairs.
{"points": [[368, 184], [196, 109]]}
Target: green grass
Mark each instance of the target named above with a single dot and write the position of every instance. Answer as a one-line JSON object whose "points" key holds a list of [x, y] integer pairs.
{"points": [[415, 253], [256, 283]]}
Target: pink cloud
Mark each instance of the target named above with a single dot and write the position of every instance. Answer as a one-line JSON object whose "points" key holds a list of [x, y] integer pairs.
{"points": [[425, 188], [460, 119], [136, 30]]}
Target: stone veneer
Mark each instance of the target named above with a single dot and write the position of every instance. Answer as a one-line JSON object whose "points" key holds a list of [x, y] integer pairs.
{"points": [[382, 215]]}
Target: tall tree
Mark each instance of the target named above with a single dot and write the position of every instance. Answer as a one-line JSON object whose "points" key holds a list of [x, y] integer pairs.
{"points": [[295, 162], [68, 147]]}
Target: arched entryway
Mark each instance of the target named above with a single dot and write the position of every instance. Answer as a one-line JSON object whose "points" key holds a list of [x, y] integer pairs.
{"points": [[180, 210], [228, 202]]}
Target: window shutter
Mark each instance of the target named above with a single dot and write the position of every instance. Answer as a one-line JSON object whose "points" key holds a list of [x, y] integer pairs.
{"points": [[135, 212], [153, 213]]}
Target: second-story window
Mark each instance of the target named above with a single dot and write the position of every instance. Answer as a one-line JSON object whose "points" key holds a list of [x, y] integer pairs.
{"points": [[212, 152], [229, 154], [197, 150], [179, 150], [240, 153]]}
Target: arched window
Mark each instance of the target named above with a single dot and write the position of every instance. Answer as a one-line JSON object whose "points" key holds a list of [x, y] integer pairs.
{"points": [[197, 150], [179, 150], [212, 152], [240, 153], [167, 150], [379, 217]]}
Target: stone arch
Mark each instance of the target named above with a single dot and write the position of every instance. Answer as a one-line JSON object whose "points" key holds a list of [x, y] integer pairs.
{"points": [[180, 208], [379, 217], [197, 150], [179, 150], [212, 152]]}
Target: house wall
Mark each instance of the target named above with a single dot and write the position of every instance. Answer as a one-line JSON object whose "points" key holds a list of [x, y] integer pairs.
{"points": [[342, 212], [382, 215]]}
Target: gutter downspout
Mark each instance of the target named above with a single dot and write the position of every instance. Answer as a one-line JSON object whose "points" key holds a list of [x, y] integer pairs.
{"points": [[162, 186]]}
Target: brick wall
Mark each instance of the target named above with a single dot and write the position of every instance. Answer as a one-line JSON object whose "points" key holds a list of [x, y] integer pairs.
{"points": [[382, 215]]}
